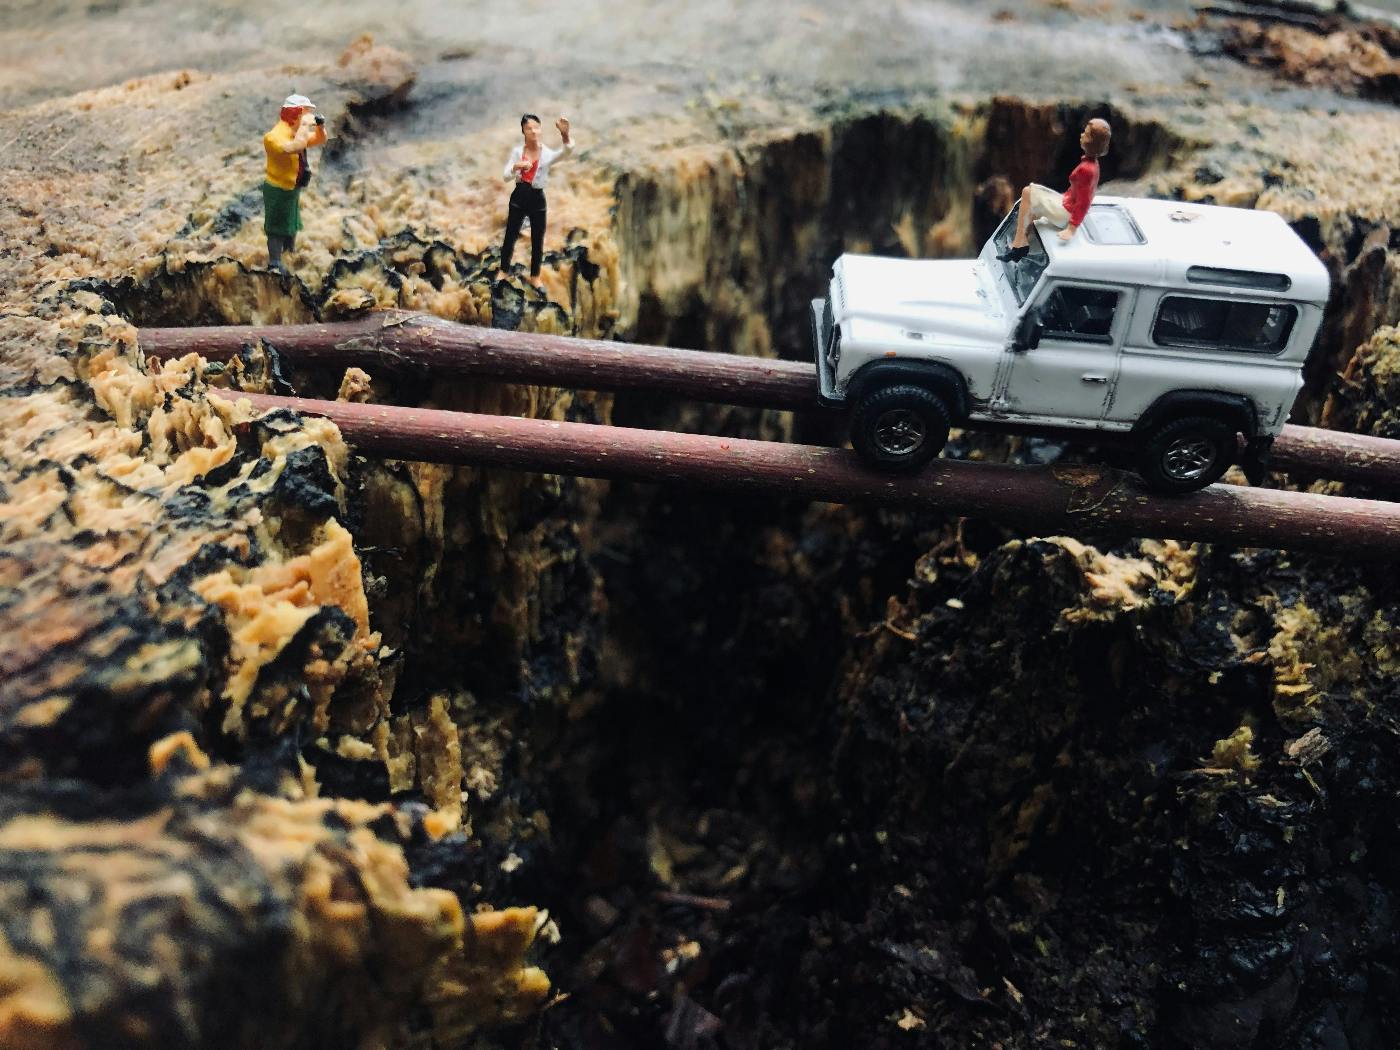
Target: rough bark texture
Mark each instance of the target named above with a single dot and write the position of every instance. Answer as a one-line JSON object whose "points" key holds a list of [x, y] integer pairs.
{"points": [[394, 341], [1084, 500], [783, 775]]}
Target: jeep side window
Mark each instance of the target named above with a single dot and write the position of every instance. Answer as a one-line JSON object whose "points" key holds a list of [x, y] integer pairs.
{"points": [[1259, 327], [1082, 314], [1022, 274]]}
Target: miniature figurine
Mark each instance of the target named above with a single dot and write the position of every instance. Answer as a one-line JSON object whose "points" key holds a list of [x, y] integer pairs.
{"points": [[1171, 332], [1063, 211], [299, 128], [529, 166]]}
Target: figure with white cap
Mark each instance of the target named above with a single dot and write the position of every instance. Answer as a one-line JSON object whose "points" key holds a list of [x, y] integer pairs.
{"points": [[299, 128]]}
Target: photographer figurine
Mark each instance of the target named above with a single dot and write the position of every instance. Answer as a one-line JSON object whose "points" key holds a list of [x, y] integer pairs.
{"points": [[298, 129]]}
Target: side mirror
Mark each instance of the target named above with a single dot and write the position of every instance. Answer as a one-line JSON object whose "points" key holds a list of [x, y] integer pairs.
{"points": [[1028, 329]]}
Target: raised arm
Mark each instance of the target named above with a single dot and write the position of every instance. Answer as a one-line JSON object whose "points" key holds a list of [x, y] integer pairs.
{"points": [[308, 133], [568, 147], [295, 144]]}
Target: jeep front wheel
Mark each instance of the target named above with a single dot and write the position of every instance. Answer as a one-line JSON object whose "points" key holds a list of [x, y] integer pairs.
{"points": [[1187, 454], [899, 427]]}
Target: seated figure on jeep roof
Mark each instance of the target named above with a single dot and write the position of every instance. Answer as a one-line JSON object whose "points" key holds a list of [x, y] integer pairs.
{"points": [[1172, 332], [1064, 212]]}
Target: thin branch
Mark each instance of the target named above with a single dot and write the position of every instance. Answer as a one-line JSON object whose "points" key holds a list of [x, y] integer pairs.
{"points": [[1338, 455], [1049, 500], [394, 340], [691, 900]]}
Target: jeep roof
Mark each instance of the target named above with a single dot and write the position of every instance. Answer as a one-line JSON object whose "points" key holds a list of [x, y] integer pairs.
{"points": [[1179, 245]]}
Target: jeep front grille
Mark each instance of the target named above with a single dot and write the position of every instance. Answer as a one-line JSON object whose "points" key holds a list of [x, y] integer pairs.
{"points": [[831, 335]]}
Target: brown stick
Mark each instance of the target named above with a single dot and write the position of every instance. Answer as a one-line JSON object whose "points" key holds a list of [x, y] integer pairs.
{"points": [[1046, 499], [691, 900], [1338, 455], [1314, 20], [1321, 15], [396, 339]]}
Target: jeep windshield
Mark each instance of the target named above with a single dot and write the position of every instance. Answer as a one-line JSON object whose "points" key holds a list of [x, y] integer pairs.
{"points": [[1022, 274]]}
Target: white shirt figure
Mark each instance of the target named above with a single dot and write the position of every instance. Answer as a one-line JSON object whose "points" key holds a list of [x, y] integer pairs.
{"points": [[528, 167], [547, 158]]}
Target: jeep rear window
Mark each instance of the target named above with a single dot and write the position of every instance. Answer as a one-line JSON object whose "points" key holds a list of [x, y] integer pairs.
{"points": [[1252, 327]]}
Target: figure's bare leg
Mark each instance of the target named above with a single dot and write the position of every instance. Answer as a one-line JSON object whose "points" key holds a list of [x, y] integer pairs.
{"points": [[1020, 243], [1023, 221]]}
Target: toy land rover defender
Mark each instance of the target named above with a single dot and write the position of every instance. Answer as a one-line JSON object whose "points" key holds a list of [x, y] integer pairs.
{"points": [[1178, 327]]}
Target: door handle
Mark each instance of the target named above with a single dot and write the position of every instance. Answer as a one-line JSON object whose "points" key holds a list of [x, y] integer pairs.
{"points": [[1090, 378]]}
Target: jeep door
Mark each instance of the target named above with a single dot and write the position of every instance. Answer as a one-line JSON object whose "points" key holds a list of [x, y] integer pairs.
{"points": [[1191, 339], [1069, 377]]}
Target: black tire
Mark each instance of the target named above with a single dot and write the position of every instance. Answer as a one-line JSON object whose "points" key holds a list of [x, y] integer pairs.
{"points": [[899, 428], [1187, 454]]}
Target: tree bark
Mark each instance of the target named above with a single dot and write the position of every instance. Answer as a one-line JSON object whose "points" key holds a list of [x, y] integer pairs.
{"points": [[397, 340], [1050, 500]]}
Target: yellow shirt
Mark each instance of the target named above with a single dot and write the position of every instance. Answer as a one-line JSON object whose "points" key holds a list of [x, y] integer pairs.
{"points": [[281, 165]]}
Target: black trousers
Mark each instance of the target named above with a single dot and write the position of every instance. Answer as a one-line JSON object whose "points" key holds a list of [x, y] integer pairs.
{"points": [[525, 200]]}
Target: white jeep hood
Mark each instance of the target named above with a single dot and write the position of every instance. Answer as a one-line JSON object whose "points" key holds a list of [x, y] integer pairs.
{"points": [[933, 296]]}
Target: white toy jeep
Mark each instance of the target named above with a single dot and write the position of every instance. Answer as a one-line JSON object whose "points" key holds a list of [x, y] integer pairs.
{"points": [[1178, 327]]}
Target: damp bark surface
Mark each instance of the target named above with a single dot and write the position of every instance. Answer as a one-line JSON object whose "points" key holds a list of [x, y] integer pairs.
{"points": [[300, 747]]}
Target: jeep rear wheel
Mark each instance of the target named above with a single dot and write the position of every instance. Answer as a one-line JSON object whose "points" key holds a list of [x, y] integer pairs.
{"points": [[1187, 454], [899, 427]]}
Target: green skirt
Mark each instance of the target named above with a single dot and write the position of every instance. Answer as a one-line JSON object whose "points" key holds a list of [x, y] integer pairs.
{"points": [[281, 211]]}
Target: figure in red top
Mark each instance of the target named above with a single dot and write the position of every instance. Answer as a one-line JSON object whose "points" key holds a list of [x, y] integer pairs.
{"points": [[1064, 212]]}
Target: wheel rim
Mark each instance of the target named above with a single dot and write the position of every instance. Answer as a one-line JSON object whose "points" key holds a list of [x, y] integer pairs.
{"points": [[1188, 458], [899, 432]]}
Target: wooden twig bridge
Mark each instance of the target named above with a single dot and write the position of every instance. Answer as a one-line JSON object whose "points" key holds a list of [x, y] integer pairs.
{"points": [[1058, 499]]}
